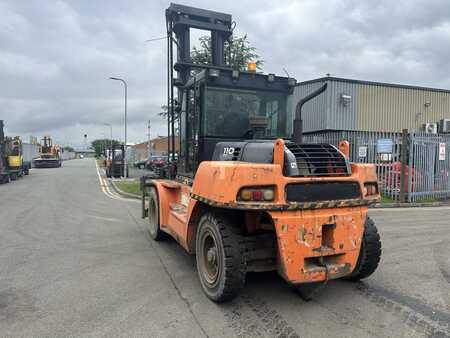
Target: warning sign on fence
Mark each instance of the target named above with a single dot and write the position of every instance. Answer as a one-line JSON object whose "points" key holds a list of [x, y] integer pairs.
{"points": [[441, 151], [362, 152], [384, 146]]}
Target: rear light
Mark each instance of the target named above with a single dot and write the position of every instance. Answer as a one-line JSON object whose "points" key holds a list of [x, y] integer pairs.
{"points": [[370, 189], [257, 195], [263, 194]]}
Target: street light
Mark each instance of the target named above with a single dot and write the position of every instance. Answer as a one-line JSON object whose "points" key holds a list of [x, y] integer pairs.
{"points": [[125, 146], [110, 129]]}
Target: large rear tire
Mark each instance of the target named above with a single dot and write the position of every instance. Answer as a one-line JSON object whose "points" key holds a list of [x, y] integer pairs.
{"points": [[153, 224], [370, 253], [220, 257]]}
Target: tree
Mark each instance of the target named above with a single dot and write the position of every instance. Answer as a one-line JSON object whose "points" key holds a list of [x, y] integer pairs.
{"points": [[101, 144], [238, 52], [164, 114]]}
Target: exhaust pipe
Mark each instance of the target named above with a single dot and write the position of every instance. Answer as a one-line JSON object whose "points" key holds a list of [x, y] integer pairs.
{"points": [[297, 136]]}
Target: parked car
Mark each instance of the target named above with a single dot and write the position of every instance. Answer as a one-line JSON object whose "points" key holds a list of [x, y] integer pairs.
{"points": [[155, 162], [142, 164]]}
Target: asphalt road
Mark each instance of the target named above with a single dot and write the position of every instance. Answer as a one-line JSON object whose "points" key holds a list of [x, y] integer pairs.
{"points": [[75, 261]]}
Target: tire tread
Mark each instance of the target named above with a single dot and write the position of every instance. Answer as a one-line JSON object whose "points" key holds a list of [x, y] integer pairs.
{"points": [[234, 264], [370, 253]]}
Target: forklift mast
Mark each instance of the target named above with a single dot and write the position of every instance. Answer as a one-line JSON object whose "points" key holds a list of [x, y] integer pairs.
{"points": [[179, 20], [214, 102], [46, 144]]}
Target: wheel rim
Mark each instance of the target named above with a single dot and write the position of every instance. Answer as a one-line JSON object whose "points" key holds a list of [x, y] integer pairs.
{"points": [[152, 216], [210, 259]]}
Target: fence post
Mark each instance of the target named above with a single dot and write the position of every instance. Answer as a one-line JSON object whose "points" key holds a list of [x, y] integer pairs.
{"points": [[404, 154]]}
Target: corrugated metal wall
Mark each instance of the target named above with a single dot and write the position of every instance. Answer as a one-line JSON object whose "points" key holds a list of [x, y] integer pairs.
{"points": [[372, 107], [315, 111], [382, 108], [342, 116], [327, 111]]}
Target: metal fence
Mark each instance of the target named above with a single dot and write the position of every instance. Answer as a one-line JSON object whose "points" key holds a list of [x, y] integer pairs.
{"points": [[68, 155], [425, 173], [429, 167]]}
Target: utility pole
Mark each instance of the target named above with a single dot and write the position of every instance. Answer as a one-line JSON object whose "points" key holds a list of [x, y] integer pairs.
{"points": [[110, 134], [125, 142]]}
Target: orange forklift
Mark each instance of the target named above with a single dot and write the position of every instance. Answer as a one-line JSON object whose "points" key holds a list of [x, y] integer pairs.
{"points": [[49, 154], [245, 194]]}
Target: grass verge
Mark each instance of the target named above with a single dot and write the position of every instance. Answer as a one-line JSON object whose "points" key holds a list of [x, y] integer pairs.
{"points": [[100, 162], [386, 199], [129, 187]]}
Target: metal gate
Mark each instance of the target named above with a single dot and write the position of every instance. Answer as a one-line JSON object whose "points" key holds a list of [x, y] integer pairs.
{"points": [[429, 167], [426, 157]]}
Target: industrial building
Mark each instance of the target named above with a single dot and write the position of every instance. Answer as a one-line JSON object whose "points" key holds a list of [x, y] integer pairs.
{"points": [[157, 147], [355, 105]]}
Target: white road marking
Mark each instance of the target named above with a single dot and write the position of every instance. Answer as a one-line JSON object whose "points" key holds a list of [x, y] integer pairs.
{"points": [[408, 209], [104, 185], [105, 218]]}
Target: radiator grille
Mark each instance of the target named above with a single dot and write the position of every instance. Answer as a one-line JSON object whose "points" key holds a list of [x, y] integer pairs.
{"points": [[319, 160]]}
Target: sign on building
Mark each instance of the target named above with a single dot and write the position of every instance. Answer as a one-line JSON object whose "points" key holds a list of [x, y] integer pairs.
{"points": [[441, 151], [362, 152], [384, 146]]}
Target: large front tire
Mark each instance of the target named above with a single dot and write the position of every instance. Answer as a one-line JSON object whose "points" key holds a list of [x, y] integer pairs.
{"points": [[220, 258], [370, 253], [153, 224]]}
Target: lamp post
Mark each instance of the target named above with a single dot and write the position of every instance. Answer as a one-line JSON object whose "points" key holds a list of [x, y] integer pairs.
{"points": [[110, 133], [125, 143]]}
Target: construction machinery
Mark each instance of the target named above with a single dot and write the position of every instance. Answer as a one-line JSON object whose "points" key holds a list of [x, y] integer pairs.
{"points": [[16, 166], [12, 164], [4, 173], [245, 193], [115, 161], [49, 154]]}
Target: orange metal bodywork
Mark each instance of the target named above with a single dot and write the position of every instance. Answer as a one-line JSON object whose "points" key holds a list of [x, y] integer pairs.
{"points": [[315, 242], [299, 238]]}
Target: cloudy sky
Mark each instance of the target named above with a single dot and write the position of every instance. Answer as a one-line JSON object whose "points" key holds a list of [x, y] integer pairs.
{"points": [[56, 56]]}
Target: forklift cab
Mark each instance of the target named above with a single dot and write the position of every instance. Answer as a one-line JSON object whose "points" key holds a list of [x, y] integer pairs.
{"points": [[115, 163], [15, 159], [227, 105], [46, 146]]}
